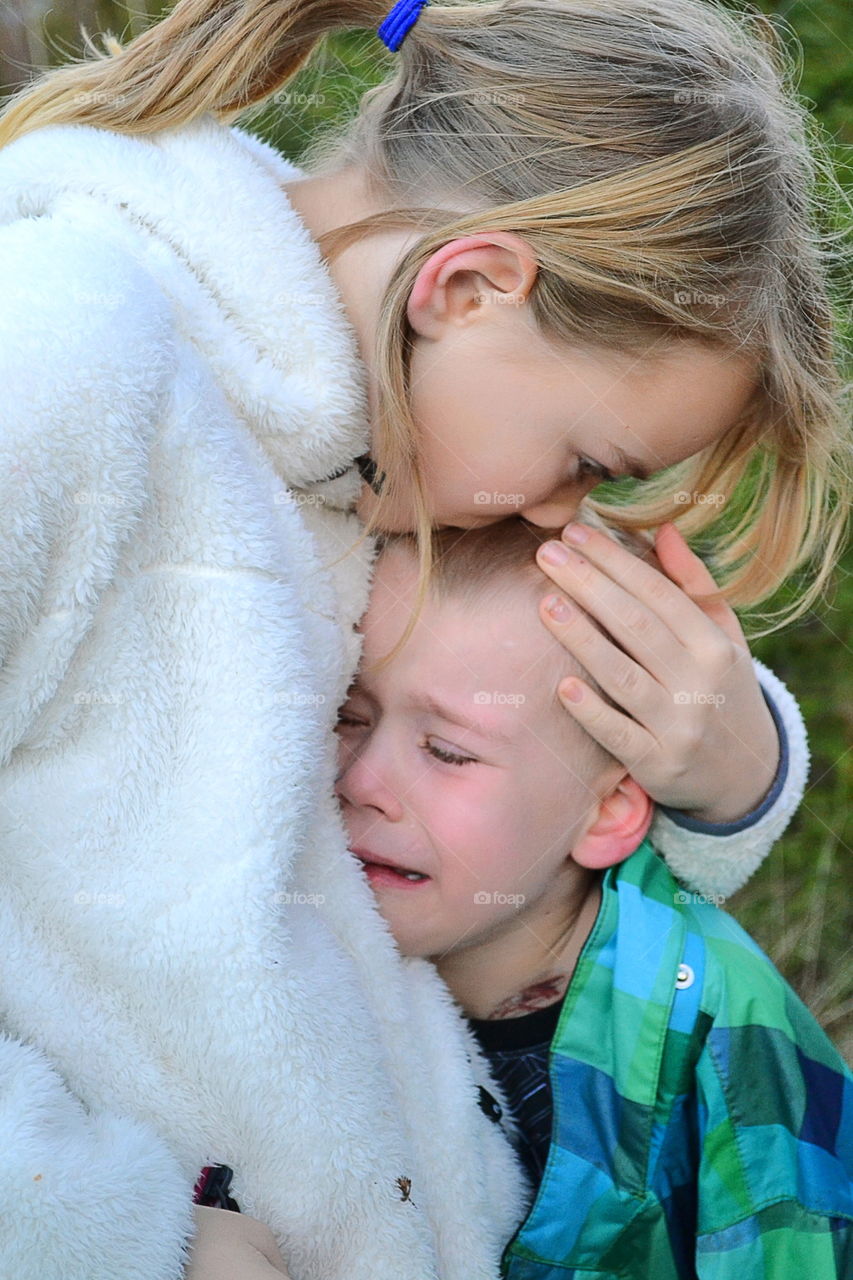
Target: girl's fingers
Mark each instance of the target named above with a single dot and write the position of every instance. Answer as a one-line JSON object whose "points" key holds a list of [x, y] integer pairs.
{"points": [[618, 734], [635, 628], [622, 679], [645, 584], [693, 577]]}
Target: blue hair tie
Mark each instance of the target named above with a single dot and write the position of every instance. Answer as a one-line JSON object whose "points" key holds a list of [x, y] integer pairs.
{"points": [[399, 22]]}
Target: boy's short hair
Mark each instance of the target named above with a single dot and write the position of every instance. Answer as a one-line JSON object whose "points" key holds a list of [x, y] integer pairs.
{"points": [[490, 563], [474, 564]]}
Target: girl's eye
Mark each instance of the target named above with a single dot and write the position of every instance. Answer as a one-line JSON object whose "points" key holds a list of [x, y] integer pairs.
{"points": [[589, 467], [447, 756]]}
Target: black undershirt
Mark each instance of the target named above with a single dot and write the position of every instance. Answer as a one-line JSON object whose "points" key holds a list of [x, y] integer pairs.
{"points": [[517, 1050]]}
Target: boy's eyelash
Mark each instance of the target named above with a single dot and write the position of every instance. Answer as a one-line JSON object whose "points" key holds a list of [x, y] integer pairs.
{"points": [[590, 466], [446, 757]]}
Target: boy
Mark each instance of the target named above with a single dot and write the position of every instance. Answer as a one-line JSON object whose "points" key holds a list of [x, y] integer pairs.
{"points": [[681, 1114]]}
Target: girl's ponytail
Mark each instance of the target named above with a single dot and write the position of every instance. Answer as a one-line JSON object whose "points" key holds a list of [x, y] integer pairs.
{"points": [[218, 56]]}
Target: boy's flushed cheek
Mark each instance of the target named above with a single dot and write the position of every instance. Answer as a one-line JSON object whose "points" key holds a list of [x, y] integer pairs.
{"points": [[427, 920], [417, 930]]}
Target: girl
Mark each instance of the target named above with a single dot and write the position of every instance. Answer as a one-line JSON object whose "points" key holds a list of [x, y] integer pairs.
{"points": [[542, 266]]}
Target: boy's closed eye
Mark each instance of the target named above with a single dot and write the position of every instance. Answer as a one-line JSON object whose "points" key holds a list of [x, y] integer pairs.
{"points": [[347, 719]]}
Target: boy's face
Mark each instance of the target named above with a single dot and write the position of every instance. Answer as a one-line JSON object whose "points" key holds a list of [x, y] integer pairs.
{"points": [[489, 837]]}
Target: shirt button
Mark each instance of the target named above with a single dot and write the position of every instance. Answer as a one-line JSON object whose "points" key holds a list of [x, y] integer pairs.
{"points": [[686, 977]]}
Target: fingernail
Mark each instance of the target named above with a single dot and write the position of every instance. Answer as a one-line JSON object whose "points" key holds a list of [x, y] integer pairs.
{"points": [[575, 533], [553, 553], [573, 692], [558, 608]]}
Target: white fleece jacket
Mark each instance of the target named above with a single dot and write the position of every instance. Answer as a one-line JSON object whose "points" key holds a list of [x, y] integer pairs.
{"points": [[192, 968]]}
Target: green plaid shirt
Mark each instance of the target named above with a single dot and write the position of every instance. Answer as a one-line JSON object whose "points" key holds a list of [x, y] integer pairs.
{"points": [[703, 1122]]}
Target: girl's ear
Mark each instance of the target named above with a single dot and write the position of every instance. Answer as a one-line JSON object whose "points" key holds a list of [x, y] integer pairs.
{"points": [[460, 275], [616, 827]]}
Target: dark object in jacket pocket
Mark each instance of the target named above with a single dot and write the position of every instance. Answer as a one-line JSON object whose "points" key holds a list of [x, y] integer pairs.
{"points": [[212, 1187]]}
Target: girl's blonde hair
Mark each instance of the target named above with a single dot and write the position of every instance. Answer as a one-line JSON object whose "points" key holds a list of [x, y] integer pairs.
{"points": [[652, 154]]}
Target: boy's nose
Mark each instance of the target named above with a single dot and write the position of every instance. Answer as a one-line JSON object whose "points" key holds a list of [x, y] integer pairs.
{"points": [[361, 783]]}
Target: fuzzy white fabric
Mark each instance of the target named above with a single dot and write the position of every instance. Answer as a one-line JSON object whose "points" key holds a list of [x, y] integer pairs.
{"points": [[185, 939], [84, 1190], [193, 969]]}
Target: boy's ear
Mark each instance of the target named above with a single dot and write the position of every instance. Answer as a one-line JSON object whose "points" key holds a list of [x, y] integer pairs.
{"points": [[616, 827]]}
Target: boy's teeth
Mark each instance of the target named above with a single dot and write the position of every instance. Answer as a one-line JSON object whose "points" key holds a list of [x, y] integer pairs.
{"points": [[413, 875]]}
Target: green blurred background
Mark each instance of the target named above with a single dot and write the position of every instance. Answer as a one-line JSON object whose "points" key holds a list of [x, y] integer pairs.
{"points": [[799, 905]]}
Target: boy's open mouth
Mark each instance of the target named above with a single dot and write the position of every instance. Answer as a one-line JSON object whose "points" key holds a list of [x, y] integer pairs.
{"points": [[381, 871]]}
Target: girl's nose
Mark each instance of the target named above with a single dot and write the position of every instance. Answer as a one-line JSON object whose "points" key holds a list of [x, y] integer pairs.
{"points": [[561, 507], [550, 515]]}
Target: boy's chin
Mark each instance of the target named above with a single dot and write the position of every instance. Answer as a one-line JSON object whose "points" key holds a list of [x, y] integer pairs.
{"points": [[411, 948], [406, 945]]}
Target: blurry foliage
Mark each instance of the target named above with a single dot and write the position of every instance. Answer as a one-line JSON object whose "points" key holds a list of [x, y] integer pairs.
{"points": [[798, 904]]}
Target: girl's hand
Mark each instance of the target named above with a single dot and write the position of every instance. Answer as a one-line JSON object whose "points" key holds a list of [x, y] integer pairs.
{"points": [[695, 731], [232, 1246]]}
